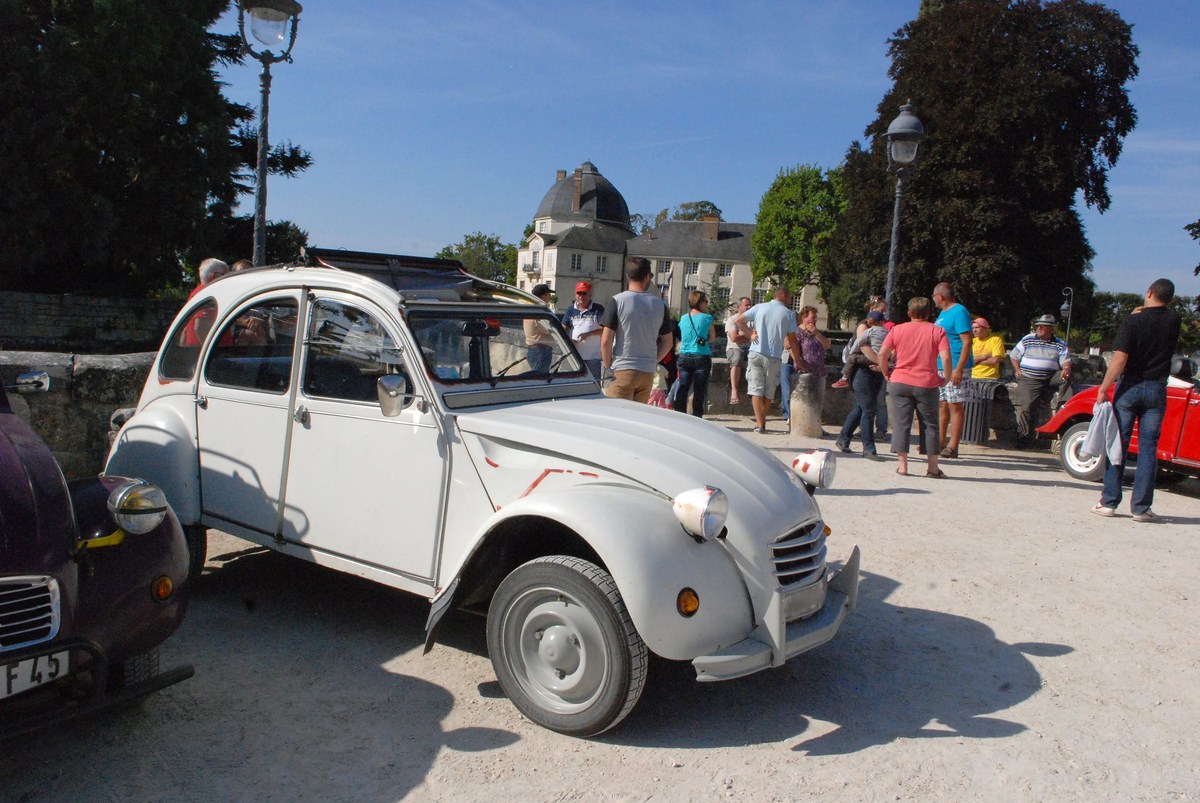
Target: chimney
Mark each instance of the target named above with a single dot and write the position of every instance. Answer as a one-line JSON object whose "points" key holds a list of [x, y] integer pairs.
{"points": [[712, 225], [561, 175], [575, 199]]}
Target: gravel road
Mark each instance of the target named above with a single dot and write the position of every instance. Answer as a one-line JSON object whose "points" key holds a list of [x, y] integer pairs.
{"points": [[1007, 645]]}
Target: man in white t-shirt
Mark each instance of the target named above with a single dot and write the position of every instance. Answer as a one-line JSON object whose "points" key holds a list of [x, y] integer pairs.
{"points": [[582, 322]]}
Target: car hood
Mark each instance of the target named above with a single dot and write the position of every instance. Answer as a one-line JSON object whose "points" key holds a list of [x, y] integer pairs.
{"points": [[612, 440], [37, 527]]}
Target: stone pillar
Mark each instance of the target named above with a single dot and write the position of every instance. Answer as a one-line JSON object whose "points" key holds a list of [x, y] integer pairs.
{"points": [[805, 406]]}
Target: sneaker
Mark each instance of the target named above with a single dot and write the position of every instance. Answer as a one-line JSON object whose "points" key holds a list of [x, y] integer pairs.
{"points": [[840, 384], [872, 456], [760, 430], [1146, 515], [1108, 512]]}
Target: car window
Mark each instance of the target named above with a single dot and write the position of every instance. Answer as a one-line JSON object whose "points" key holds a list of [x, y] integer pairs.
{"points": [[254, 350], [348, 350], [183, 345], [465, 347]]}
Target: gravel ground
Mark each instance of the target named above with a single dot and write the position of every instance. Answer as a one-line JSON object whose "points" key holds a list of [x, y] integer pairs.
{"points": [[1007, 645]]}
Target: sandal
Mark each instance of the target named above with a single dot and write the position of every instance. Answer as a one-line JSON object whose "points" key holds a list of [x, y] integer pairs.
{"points": [[937, 475], [948, 452], [902, 473]]}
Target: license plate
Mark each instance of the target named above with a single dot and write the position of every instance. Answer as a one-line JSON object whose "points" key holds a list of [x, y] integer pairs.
{"points": [[20, 676]]}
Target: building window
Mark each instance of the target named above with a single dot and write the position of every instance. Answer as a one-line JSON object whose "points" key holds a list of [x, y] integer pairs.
{"points": [[724, 269], [541, 225], [691, 274], [576, 262], [663, 290], [664, 266], [536, 255], [758, 295], [601, 264]]}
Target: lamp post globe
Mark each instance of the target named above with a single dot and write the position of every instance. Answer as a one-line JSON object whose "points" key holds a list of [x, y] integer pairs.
{"points": [[904, 136], [271, 22]]}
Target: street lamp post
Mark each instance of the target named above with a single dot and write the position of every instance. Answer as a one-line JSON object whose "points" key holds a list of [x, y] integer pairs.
{"points": [[1065, 310], [269, 23], [904, 137]]}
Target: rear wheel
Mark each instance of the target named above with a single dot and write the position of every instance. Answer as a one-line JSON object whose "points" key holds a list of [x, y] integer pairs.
{"points": [[563, 646], [1075, 464]]}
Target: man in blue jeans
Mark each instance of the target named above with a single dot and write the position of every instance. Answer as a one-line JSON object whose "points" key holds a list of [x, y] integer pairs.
{"points": [[1140, 365]]}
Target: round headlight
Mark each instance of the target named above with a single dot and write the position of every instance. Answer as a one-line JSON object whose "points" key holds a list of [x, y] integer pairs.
{"points": [[137, 506], [702, 511], [816, 468]]}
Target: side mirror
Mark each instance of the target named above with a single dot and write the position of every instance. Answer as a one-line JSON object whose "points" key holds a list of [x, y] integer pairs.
{"points": [[32, 382], [395, 393]]}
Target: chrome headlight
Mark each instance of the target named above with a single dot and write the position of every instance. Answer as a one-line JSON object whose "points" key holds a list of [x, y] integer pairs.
{"points": [[137, 506], [702, 511], [816, 468]]}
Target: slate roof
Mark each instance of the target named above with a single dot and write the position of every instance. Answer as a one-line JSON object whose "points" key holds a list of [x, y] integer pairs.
{"points": [[594, 238], [682, 239], [599, 200]]}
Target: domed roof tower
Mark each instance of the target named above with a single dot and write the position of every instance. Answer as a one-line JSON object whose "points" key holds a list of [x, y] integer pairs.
{"points": [[584, 198]]}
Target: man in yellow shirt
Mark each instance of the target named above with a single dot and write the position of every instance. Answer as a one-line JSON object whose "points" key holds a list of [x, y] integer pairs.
{"points": [[988, 348]]}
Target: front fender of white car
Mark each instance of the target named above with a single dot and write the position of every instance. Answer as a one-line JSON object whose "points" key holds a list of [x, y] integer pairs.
{"points": [[652, 559], [158, 444]]}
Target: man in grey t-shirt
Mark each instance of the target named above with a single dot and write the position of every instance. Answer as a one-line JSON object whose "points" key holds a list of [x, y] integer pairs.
{"points": [[636, 333]]}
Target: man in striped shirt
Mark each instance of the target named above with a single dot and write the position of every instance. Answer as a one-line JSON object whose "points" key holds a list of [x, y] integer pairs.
{"points": [[1038, 360]]}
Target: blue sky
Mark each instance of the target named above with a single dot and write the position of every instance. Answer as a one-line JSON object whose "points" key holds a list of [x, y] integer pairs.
{"points": [[429, 121]]}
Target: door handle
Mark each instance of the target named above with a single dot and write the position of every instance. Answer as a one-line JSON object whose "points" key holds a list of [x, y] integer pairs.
{"points": [[301, 416]]}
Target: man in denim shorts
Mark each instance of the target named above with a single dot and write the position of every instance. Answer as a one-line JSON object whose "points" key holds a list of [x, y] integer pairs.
{"points": [[953, 393], [774, 330], [737, 349]]}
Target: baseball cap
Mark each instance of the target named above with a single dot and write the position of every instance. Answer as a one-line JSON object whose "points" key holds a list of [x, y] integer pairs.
{"points": [[982, 323], [875, 316], [540, 290], [583, 287]]}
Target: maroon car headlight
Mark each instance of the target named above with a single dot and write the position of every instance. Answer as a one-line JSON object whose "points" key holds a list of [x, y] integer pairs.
{"points": [[137, 506]]}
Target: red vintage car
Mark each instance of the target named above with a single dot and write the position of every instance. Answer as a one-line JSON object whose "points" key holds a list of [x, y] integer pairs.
{"points": [[1178, 441]]}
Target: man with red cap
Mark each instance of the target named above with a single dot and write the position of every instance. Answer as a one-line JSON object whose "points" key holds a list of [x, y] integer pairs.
{"points": [[582, 322]]}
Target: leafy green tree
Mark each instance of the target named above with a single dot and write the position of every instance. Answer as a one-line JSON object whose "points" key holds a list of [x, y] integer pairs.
{"points": [[484, 255], [119, 152], [1194, 230], [1025, 108], [796, 219]]}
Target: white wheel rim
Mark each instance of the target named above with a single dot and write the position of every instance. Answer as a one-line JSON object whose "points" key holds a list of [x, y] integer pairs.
{"points": [[554, 647], [1081, 464]]}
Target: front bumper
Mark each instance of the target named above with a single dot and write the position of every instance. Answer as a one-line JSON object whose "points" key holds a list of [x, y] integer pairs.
{"points": [[776, 640]]}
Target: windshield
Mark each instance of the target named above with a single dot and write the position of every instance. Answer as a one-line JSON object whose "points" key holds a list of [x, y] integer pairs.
{"points": [[466, 347]]}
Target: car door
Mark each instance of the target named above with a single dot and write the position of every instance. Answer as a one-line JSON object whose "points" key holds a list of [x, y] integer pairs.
{"points": [[362, 486], [1189, 429], [242, 412]]}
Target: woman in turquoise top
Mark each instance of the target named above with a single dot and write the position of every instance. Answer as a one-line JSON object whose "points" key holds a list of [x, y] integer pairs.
{"points": [[697, 333]]}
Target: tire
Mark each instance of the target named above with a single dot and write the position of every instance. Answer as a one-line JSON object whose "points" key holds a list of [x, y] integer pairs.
{"points": [[563, 646], [196, 536], [133, 670], [1090, 469]]}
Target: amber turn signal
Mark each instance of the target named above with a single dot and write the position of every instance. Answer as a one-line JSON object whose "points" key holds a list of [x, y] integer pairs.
{"points": [[162, 588], [687, 603]]}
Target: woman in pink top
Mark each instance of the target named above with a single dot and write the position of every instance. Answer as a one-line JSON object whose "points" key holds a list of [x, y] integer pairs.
{"points": [[914, 380]]}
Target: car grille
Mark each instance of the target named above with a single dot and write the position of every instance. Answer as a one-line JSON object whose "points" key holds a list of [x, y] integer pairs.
{"points": [[29, 611], [799, 556]]}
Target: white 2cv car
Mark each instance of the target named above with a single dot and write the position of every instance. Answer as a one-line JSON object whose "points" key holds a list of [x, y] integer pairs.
{"points": [[384, 416]]}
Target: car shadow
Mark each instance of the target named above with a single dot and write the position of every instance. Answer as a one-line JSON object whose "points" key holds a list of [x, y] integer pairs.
{"points": [[892, 673]]}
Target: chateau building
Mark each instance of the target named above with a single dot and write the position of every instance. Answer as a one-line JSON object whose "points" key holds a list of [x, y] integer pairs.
{"points": [[582, 232]]}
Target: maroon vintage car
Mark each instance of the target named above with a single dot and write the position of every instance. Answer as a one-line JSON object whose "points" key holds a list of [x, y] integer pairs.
{"points": [[1178, 441], [93, 578]]}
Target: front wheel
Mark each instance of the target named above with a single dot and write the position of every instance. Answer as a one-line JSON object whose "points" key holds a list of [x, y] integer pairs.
{"points": [[564, 647], [1090, 469]]}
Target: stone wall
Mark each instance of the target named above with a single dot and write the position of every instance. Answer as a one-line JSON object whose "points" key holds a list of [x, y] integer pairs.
{"points": [[84, 392], [44, 322]]}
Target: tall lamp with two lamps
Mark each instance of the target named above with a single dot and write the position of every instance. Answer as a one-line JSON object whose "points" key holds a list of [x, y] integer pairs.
{"points": [[270, 21]]}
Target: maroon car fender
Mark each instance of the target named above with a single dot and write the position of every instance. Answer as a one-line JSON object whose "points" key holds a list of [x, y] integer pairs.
{"points": [[118, 609]]}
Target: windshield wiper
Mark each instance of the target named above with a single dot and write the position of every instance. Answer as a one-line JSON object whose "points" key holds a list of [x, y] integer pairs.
{"points": [[506, 369]]}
